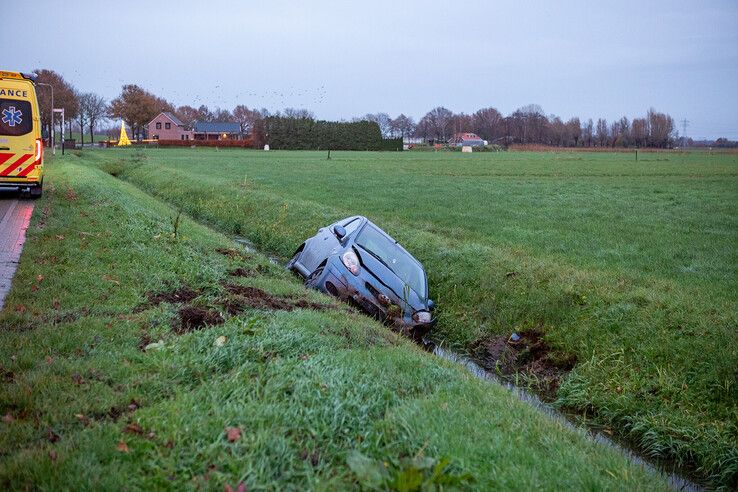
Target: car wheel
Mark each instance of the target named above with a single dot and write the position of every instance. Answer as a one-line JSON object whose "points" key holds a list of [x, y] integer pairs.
{"points": [[291, 264], [37, 191], [313, 277]]}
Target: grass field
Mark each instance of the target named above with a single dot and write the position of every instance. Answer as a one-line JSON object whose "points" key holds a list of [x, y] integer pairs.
{"points": [[629, 268], [111, 381]]}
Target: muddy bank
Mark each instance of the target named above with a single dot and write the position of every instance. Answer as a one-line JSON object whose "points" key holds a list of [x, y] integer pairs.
{"points": [[526, 354]]}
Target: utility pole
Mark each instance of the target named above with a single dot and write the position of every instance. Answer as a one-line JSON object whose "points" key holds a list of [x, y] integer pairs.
{"points": [[53, 143], [62, 121], [685, 124]]}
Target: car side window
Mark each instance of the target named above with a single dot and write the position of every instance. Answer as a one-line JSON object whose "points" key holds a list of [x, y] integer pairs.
{"points": [[352, 226]]}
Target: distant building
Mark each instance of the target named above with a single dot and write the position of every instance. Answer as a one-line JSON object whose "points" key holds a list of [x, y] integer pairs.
{"points": [[217, 130], [466, 139], [166, 126]]}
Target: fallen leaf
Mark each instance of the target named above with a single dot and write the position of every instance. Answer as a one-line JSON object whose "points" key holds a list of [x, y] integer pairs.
{"points": [[56, 303], [169, 444], [39, 278], [233, 434], [151, 435], [20, 308], [78, 380], [60, 237], [241, 487], [34, 288], [122, 447], [220, 341], [133, 428], [8, 418], [49, 359], [52, 455], [304, 357], [111, 279], [133, 405], [83, 419]]}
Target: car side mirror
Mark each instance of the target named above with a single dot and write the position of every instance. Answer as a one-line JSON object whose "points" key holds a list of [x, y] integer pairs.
{"points": [[340, 232], [431, 305]]}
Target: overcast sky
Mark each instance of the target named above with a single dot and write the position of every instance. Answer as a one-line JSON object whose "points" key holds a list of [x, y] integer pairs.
{"points": [[342, 59]]}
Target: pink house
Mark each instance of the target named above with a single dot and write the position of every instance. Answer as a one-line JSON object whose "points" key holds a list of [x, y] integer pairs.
{"points": [[166, 126]]}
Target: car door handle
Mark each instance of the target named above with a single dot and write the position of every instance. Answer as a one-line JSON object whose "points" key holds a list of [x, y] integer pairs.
{"points": [[4, 148]]}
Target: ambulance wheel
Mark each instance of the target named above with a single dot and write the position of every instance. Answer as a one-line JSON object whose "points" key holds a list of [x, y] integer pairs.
{"points": [[37, 191]]}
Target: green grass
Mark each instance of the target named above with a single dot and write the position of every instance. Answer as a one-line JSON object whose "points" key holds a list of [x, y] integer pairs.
{"points": [[629, 266], [76, 136], [323, 399]]}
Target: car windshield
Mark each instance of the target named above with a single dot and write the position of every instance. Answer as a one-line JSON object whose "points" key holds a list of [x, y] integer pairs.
{"points": [[394, 257]]}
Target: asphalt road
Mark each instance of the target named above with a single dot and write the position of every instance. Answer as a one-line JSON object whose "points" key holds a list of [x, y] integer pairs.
{"points": [[15, 214]]}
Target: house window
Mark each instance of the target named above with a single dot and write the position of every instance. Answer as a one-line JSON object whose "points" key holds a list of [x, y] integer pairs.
{"points": [[158, 125], [181, 137], [168, 126]]}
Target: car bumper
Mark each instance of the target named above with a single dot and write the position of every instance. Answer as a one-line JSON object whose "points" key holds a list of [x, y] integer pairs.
{"points": [[337, 281]]}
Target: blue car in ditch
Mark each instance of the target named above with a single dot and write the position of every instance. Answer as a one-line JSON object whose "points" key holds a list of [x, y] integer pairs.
{"points": [[357, 262]]}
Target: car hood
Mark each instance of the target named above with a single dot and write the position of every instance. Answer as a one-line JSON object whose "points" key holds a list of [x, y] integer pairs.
{"points": [[389, 279]]}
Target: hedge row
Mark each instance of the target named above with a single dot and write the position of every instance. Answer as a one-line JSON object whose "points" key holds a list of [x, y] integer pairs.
{"points": [[246, 143], [307, 134]]}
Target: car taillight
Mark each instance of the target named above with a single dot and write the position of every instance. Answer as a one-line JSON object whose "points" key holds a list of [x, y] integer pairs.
{"points": [[422, 317], [351, 261], [39, 149]]}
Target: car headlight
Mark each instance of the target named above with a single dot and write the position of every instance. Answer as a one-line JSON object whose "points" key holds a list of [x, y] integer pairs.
{"points": [[422, 317], [351, 261]]}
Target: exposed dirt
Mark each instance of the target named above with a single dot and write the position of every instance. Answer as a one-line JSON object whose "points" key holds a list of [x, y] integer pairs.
{"points": [[243, 297], [241, 272], [531, 356], [183, 294], [194, 318], [232, 253]]}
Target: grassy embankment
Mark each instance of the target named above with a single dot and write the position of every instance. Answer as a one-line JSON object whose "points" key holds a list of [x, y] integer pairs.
{"points": [[110, 381], [629, 268]]}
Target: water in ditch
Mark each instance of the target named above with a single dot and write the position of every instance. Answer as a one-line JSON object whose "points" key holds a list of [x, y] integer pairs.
{"points": [[676, 482]]}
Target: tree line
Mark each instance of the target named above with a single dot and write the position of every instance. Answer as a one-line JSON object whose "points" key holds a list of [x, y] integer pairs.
{"points": [[526, 125], [530, 125]]}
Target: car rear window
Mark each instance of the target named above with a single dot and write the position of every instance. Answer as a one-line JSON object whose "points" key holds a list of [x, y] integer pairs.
{"points": [[15, 117]]}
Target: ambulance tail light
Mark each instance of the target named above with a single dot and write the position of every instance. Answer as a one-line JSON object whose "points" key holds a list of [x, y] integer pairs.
{"points": [[39, 150]]}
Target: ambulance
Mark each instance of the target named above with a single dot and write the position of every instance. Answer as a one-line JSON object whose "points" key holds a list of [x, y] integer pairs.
{"points": [[21, 147]]}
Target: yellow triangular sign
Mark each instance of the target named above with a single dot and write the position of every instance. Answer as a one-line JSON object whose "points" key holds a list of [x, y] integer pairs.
{"points": [[123, 140]]}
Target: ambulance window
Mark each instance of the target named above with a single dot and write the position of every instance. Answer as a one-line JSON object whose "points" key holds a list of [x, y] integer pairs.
{"points": [[15, 117]]}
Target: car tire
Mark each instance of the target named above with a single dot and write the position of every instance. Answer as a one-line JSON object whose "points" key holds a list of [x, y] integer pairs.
{"points": [[37, 191], [314, 276], [291, 264]]}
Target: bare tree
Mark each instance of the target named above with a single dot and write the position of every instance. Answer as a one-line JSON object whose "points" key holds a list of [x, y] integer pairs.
{"points": [[94, 108], [64, 97], [602, 133], [83, 100], [488, 123], [574, 131], [246, 118], [661, 129], [382, 119], [438, 123], [187, 115], [402, 126]]}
